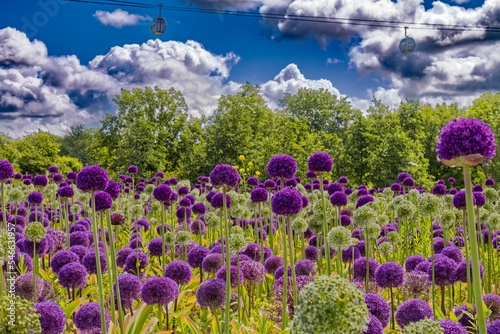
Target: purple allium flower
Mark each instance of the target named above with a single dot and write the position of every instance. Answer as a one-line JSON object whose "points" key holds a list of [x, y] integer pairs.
{"points": [[179, 271], [334, 187], [122, 255], [305, 268], [40, 181], [270, 184], [408, 182], [362, 192], [273, 263], [311, 253], [345, 220], [79, 250], [311, 175], [183, 191], [88, 318], [41, 247], [224, 175], [277, 289], [466, 141], [133, 259], [52, 317], [53, 169], [132, 169], [199, 209], [459, 200], [162, 193], [185, 202], [71, 176], [478, 188], [221, 274], [287, 202], [439, 189], [198, 227], [412, 310], [493, 327], [461, 273], [113, 189], [463, 318], [347, 254], [212, 263], [253, 271], [402, 176], [91, 179], [57, 178], [79, 238], [129, 179], [253, 251], [489, 182], [359, 269], [24, 286], [159, 290], [196, 256], [343, 180], [27, 182], [130, 287], [282, 166], [390, 275], [453, 253], [103, 201], [364, 200], [73, 275], [280, 271], [444, 271], [374, 326], [451, 327], [6, 170], [479, 198], [378, 307], [413, 261], [211, 293], [154, 247], [320, 162], [339, 199], [66, 192], [35, 197], [252, 181], [62, 258], [218, 201], [183, 212], [90, 262], [492, 301], [259, 195]]}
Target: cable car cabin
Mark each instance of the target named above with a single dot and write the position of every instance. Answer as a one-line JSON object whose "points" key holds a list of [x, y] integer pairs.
{"points": [[158, 26], [407, 45]]}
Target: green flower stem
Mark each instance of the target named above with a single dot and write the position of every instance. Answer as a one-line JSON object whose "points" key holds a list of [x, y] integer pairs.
{"points": [[66, 220], [35, 271], [271, 227], [284, 316], [393, 326], [303, 246], [158, 314], [110, 278], [292, 262], [367, 253], [261, 232], [228, 264], [221, 234], [325, 226], [466, 246], [98, 265], [433, 282], [239, 286], [4, 213], [115, 272], [340, 272], [476, 276], [162, 233]]}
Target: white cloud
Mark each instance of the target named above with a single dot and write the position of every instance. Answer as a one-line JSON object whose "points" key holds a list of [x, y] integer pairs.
{"points": [[120, 18]]}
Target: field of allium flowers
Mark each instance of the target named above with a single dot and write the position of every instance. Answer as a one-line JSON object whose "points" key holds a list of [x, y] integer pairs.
{"points": [[228, 255]]}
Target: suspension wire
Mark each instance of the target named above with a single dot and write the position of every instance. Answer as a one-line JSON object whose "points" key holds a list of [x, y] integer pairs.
{"points": [[304, 18]]}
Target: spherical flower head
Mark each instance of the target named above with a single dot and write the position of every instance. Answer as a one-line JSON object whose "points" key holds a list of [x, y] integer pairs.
{"points": [[122, 255], [199, 209], [159, 290], [453, 253], [359, 269], [408, 182], [425, 325], [489, 182], [364, 216], [73, 275], [273, 263], [6, 170], [162, 193], [479, 198], [66, 192], [71, 176], [406, 210], [374, 326], [130, 287], [53, 169], [155, 245], [461, 271], [90, 262], [287, 202], [92, 179], [62, 258], [444, 271], [439, 189], [345, 220], [466, 141], [365, 199], [179, 271], [412, 310], [459, 200], [40, 181], [253, 271], [282, 166], [451, 327], [378, 307], [52, 317], [339, 199], [35, 232], [299, 225], [212, 263], [80, 251], [35, 197], [259, 195], [218, 201], [462, 314], [132, 169], [185, 202], [103, 201], [132, 260], [492, 301], [88, 318], [413, 261], [320, 162], [402, 176], [305, 268], [390, 275], [211, 293], [339, 237], [24, 286], [330, 304], [253, 251], [224, 175], [252, 181], [269, 184], [196, 256], [221, 274], [79, 238], [113, 189]]}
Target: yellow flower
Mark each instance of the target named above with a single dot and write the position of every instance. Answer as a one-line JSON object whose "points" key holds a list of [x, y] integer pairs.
{"points": [[257, 173], [235, 167], [242, 157], [248, 169], [250, 163], [242, 170]]}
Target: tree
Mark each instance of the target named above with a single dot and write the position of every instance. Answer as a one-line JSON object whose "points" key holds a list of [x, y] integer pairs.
{"points": [[37, 151], [75, 143]]}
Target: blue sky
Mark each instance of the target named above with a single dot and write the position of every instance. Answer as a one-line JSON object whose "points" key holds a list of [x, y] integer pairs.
{"points": [[357, 62]]}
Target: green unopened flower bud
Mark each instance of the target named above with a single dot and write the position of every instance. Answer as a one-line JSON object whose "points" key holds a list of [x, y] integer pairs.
{"points": [[211, 219], [394, 238], [136, 211], [35, 232], [299, 225], [364, 216], [447, 219], [427, 326], [76, 208], [339, 237], [406, 210], [155, 207], [148, 190], [237, 230], [428, 204], [383, 220], [237, 242], [490, 194], [169, 237], [493, 222], [183, 237], [372, 231], [385, 249]]}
